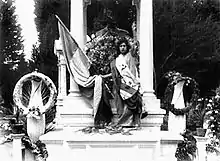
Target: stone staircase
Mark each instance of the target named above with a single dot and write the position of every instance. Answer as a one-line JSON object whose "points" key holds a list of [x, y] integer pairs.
{"points": [[77, 112], [69, 142]]}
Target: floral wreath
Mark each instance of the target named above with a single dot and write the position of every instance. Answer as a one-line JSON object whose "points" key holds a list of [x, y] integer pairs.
{"points": [[17, 93], [174, 78]]}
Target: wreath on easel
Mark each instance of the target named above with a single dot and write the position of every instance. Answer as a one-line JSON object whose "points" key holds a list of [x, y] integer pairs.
{"points": [[173, 79]]}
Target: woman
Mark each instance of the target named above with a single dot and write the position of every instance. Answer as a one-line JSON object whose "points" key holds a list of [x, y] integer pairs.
{"points": [[127, 98]]}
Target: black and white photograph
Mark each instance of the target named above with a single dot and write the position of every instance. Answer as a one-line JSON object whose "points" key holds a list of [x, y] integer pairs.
{"points": [[112, 80]]}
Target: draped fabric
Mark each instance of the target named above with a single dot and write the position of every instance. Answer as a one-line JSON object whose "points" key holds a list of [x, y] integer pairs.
{"points": [[129, 82], [177, 124], [125, 90], [78, 66], [77, 62]]}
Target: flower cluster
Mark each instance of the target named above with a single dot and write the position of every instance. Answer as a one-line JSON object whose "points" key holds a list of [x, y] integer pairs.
{"points": [[213, 145], [213, 123], [35, 112], [214, 115], [102, 53]]}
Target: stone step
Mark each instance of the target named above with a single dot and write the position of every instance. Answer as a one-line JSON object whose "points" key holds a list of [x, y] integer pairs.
{"points": [[77, 112], [141, 145], [81, 120], [79, 146]]}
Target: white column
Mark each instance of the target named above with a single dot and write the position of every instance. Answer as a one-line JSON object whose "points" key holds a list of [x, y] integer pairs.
{"points": [[201, 145], [146, 46], [78, 29], [145, 33], [77, 22], [62, 84], [62, 76], [17, 147]]}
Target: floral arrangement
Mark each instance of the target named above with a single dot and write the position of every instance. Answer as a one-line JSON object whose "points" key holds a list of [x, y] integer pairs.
{"points": [[35, 112], [196, 117], [102, 53], [186, 149], [103, 50], [174, 78], [213, 123]]}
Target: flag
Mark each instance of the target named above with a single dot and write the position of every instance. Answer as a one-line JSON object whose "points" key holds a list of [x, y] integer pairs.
{"points": [[77, 62], [78, 65]]}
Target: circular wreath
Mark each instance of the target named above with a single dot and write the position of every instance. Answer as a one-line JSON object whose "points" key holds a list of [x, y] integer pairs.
{"points": [[19, 92], [173, 79]]}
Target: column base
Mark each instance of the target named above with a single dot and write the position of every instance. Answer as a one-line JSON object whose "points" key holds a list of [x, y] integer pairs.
{"points": [[155, 114], [76, 111]]}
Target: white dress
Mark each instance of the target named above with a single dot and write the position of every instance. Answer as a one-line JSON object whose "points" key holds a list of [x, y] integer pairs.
{"points": [[177, 124]]}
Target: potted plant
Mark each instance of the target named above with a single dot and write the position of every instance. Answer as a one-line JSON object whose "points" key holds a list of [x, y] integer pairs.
{"points": [[186, 149], [197, 116]]}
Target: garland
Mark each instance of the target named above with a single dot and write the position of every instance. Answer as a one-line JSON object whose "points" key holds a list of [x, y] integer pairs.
{"points": [[173, 79], [38, 149]]}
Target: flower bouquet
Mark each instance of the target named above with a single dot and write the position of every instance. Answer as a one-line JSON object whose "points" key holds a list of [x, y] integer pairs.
{"points": [[35, 112]]}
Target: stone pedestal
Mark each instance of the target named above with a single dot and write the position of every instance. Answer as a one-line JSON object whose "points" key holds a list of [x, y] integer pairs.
{"points": [[17, 147], [201, 145], [141, 145]]}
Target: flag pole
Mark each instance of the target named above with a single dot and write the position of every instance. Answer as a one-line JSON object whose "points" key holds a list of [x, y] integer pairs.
{"points": [[68, 31]]}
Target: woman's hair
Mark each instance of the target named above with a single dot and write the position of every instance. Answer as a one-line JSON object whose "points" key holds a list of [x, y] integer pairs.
{"points": [[123, 40]]}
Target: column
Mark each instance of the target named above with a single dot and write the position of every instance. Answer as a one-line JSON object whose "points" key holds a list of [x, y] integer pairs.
{"points": [[62, 83], [146, 46], [17, 147], [201, 145], [145, 35], [62, 76], [136, 3], [78, 29]]}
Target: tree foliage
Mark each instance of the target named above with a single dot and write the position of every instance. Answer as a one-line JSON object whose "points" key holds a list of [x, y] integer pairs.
{"points": [[12, 65], [11, 39], [186, 39], [47, 29]]}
